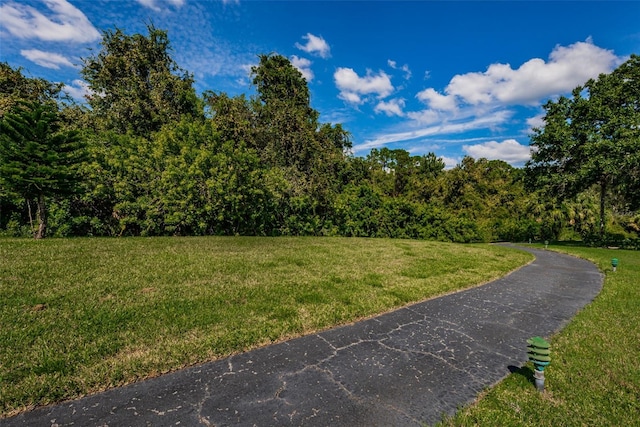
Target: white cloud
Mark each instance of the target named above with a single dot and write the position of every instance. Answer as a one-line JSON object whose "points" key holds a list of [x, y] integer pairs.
{"points": [[437, 101], [425, 117], [46, 59], [78, 90], [315, 45], [536, 121], [393, 107], [479, 100], [304, 66], [430, 116], [421, 147], [446, 128], [246, 67], [510, 150], [566, 68], [350, 97], [156, 4], [450, 162], [240, 73], [64, 23], [352, 86], [405, 68]]}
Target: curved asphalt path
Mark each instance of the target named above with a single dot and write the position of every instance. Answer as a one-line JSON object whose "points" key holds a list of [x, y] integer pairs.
{"points": [[404, 368]]}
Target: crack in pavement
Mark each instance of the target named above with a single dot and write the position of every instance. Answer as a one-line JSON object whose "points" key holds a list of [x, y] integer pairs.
{"points": [[201, 418]]}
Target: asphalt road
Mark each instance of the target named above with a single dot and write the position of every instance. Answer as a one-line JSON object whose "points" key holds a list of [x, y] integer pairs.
{"points": [[404, 368]]}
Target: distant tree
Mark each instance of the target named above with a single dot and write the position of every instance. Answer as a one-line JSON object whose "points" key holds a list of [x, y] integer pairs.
{"points": [[311, 157], [396, 172], [488, 192], [592, 138], [205, 185], [135, 84], [14, 88], [330, 165], [278, 83], [235, 119], [424, 184], [37, 159], [288, 123]]}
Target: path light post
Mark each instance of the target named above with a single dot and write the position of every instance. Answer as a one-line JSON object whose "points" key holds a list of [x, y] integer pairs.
{"points": [[614, 263], [546, 243], [538, 352]]}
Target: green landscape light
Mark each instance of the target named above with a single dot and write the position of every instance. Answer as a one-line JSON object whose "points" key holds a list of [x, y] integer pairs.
{"points": [[614, 263], [546, 243], [538, 352]]}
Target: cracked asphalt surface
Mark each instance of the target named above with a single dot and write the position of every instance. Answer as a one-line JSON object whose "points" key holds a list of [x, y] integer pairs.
{"points": [[404, 368]]}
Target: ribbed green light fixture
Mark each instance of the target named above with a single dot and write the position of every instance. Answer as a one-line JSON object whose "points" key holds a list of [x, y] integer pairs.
{"points": [[539, 352]]}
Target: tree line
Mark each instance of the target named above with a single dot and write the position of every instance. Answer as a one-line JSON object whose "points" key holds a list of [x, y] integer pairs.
{"points": [[147, 156]]}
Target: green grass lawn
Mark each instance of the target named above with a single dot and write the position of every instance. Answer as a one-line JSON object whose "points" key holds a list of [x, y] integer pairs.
{"points": [[594, 375], [81, 315]]}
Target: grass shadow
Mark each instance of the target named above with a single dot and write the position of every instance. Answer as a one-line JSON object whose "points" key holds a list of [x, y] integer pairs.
{"points": [[570, 243], [524, 371]]}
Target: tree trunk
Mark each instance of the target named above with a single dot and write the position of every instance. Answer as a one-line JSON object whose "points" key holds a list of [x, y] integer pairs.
{"points": [[30, 217], [42, 217], [603, 190]]}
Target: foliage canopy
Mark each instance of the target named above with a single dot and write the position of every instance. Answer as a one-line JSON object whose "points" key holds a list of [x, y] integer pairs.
{"points": [[592, 138], [37, 159], [135, 84], [159, 160]]}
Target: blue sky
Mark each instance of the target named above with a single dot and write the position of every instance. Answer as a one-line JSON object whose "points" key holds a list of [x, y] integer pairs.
{"points": [[454, 78]]}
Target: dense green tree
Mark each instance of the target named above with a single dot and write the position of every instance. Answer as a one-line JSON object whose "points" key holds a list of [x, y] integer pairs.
{"points": [[329, 164], [357, 209], [37, 159], [235, 119], [592, 139], [390, 169], [183, 180], [279, 83], [207, 185], [15, 87], [290, 131], [488, 192], [288, 123], [309, 155], [380, 164], [135, 84], [397, 173], [424, 185]]}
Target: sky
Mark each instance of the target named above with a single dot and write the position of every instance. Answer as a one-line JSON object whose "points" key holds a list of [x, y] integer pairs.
{"points": [[452, 78]]}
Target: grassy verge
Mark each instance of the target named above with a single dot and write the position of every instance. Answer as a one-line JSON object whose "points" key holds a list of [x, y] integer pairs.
{"points": [[81, 315], [594, 375]]}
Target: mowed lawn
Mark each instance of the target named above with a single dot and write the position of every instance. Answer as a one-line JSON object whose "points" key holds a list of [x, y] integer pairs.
{"points": [[594, 375], [82, 315]]}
